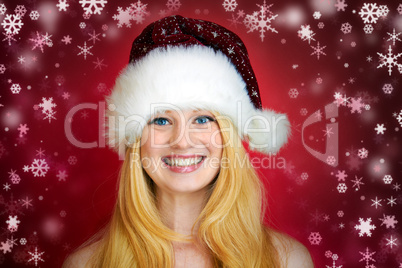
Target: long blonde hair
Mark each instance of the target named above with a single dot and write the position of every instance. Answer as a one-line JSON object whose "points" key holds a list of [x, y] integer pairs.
{"points": [[230, 225]]}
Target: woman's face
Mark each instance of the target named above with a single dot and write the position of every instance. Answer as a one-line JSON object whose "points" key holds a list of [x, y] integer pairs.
{"points": [[181, 150]]}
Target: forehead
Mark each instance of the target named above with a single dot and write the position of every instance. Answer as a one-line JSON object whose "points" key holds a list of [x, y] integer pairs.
{"points": [[188, 112]]}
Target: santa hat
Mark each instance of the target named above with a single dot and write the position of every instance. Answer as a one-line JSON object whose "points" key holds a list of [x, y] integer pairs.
{"points": [[183, 63]]}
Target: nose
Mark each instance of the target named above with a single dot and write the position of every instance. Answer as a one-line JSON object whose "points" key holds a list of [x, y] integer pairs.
{"points": [[179, 138]]}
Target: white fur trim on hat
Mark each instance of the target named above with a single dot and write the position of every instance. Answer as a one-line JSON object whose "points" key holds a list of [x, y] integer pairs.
{"points": [[186, 78]]}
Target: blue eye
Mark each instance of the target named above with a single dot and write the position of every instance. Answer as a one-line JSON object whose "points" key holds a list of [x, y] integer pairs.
{"points": [[160, 121], [203, 119]]}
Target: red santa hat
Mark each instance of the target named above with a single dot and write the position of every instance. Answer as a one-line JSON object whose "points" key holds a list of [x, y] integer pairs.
{"points": [[183, 63]]}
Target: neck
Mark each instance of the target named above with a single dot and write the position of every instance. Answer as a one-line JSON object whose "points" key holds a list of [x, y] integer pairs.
{"points": [[179, 211]]}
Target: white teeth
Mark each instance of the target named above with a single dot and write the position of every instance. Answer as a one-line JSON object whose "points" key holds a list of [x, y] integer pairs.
{"points": [[182, 162]]}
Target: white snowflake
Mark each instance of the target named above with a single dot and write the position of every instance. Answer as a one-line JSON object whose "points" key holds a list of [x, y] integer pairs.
{"points": [[391, 242], [3, 9], [123, 17], [317, 15], [362, 153], [387, 88], [36, 256], [9, 37], [2, 68], [340, 5], [93, 6], [356, 105], [34, 15], [380, 129], [398, 118], [12, 24], [38, 167], [368, 29], [370, 13], [293, 93], [138, 11], [229, 5], [314, 238], [383, 10], [318, 50], [387, 179], [365, 227], [391, 201], [394, 37], [389, 221], [85, 50], [15, 88], [357, 182], [41, 40], [62, 5], [305, 33], [390, 60], [342, 187], [13, 223], [261, 20]]}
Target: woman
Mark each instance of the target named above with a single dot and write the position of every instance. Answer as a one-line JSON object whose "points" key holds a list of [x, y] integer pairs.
{"points": [[188, 195]]}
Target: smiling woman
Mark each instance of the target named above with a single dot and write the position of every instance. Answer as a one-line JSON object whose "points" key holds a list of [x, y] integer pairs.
{"points": [[188, 194]]}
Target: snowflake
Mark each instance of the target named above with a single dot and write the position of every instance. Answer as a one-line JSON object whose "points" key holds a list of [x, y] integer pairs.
{"points": [[331, 160], [342, 188], [47, 106], [368, 29], [9, 38], [367, 257], [62, 175], [6, 187], [83, 25], [94, 37], [3, 9], [41, 40], [341, 175], [399, 117], [391, 242], [340, 213], [2, 68], [387, 88], [14, 177], [62, 5], [383, 10], [356, 105], [346, 28], [394, 37], [389, 60], [36, 256], [229, 5], [173, 5], [23, 241], [293, 93], [123, 17], [85, 50], [334, 258], [399, 9], [317, 15], [318, 50], [314, 238], [389, 221], [340, 5], [376, 202], [370, 13], [138, 11], [99, 63], [304, 176], [305, 33], [34, 15], [66, 39], [93, 6], [13, 223], [20, 10], [380, 129], [396, 186], [363, 153], [38, 167], [12, 24], [6, 247], [72, 160], [321, 25], [387, 179], [365, 227], [15, 88], [260, 20], [26, 202], [391, 201]]}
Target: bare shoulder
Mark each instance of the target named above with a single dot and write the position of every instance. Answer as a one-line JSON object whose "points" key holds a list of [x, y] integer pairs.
{"points": [[79, 258], [292, 253]]}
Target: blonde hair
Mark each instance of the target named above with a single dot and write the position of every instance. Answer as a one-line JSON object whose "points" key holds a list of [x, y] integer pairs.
{"points": [[230, 225]]}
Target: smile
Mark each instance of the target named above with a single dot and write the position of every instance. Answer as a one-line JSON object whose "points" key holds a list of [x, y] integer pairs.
{"points": [[183, 163]]}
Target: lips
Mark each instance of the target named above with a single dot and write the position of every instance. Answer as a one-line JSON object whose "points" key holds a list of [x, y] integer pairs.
{"points": [[183, 163]]}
